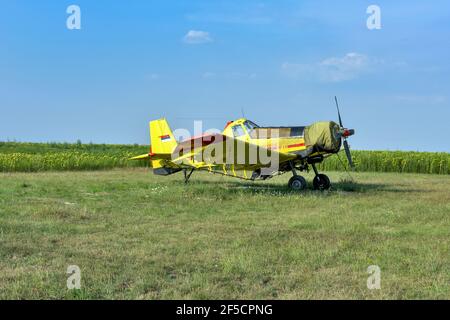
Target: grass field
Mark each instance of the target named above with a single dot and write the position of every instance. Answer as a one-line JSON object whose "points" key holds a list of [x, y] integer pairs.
{"points": [[139, 236]]}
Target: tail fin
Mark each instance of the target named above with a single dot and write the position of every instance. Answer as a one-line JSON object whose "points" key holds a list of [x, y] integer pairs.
{"points": [[161, 137]]}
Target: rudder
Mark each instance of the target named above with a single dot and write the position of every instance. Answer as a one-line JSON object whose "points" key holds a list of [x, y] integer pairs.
{"points": [[161, 137]]}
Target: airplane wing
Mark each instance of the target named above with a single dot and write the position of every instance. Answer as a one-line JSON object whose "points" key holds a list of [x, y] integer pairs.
{"points": [[218, 149], [224, 155]]}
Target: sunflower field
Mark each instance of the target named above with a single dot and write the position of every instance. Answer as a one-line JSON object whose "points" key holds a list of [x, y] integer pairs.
{"points": [[33, 157]]}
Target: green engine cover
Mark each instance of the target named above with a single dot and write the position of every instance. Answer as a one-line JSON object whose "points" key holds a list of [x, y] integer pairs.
{"points": [[324, 136]]}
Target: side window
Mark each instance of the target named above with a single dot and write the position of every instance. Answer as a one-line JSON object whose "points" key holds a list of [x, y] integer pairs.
{"points": [[238, 131], [248, 127]]}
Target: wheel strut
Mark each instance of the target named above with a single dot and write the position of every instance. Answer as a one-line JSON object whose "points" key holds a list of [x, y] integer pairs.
{"points": [[320, 181], [296, 182], [187, 175], [294, 172], [315, 169]]}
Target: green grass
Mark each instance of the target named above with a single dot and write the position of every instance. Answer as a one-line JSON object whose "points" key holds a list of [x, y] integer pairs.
{"points": [[139, 236]]}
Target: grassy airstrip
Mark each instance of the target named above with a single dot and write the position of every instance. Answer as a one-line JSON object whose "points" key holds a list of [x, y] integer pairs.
{"points": [[139, 236]]}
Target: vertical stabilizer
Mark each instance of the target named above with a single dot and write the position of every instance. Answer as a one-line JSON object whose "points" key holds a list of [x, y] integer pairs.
{"points": [[162, 139]]}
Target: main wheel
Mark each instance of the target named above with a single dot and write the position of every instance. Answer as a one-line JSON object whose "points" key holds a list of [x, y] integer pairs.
{"points": [[297, 183], [321, 182]]}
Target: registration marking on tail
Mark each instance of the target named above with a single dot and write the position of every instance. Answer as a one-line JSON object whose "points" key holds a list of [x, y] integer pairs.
{"points": [[165, 138]]}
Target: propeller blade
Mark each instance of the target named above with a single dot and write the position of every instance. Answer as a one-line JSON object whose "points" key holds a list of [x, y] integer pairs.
{"points": [[348, 154], [339, 114]]}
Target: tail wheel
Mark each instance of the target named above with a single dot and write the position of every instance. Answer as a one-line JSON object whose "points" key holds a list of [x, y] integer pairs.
{"points": [[297, 183], [321, 182]]}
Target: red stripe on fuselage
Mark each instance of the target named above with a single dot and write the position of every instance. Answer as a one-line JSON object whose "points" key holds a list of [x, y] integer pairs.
{"points": [[296, 145]]}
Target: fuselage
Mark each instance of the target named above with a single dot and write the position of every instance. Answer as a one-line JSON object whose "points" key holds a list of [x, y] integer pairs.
{"points": [[318, 138]]}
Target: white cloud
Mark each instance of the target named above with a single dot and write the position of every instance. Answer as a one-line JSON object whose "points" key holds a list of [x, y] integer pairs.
{"points": [[240, 75], [197, 37], [345, 68], [334, 69]]}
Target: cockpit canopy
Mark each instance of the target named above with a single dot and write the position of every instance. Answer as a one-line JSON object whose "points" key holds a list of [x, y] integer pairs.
{"points": [[241, 127]]}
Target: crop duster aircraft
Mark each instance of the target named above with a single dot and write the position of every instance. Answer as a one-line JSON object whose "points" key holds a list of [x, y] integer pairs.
{"points": [[247, 151]]}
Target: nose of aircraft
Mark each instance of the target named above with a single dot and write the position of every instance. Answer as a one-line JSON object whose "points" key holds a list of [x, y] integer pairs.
{"points": [[347, 132]]}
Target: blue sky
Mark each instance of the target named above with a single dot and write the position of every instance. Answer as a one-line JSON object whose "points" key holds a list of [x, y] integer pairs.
{"points": [[281, 62]]}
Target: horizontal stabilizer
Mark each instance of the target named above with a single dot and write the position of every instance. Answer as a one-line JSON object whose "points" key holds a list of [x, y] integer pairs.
{"points": [[141, 157]]}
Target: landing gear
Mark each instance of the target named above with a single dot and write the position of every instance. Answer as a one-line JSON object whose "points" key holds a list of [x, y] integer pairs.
{"points": [[297, 182], [320, 181], [187, 175]]}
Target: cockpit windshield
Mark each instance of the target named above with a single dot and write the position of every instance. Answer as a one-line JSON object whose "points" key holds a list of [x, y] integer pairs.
{"points": [[250, 126]]}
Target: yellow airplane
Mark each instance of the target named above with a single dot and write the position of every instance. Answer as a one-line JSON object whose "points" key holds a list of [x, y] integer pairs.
{"points": [[245, 150]]}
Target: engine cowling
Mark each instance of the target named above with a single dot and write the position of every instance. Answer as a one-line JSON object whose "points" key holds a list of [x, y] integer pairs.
{"points": [[324, 136]]}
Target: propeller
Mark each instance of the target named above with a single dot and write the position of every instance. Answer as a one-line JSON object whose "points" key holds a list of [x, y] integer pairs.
{"points": [[344, 134], [348, 154], [339, 114]]}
